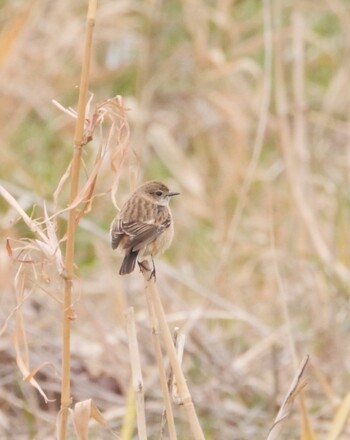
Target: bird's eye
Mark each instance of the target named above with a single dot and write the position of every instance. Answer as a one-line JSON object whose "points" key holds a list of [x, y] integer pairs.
{"points": [[158, 193]]}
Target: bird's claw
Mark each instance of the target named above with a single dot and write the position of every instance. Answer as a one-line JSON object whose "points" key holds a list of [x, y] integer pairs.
{"points": [[143, 267]]}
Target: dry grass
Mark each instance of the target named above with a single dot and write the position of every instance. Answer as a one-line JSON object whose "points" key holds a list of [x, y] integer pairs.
{"points": [[243, 108]]}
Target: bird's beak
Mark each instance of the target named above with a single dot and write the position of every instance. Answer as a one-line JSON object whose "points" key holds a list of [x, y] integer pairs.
{"points": [[171, 194]]}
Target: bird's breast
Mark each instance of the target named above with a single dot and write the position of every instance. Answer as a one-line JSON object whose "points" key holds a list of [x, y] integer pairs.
{"points": [[160, 244]]}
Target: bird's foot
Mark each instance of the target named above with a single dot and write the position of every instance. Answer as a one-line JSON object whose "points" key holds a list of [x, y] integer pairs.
{"points": [[145, 267]]}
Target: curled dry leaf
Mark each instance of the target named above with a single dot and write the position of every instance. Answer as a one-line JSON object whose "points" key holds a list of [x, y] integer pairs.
{"points": [[113, 143], [82, 413], [47, 241], [34, 371], [20, 341], [30, 253]]}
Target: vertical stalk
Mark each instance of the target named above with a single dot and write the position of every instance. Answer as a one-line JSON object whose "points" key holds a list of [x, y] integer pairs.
{"points": [[298, 80], [71, 226], [136, 374], [153, 322], [186, 399]]}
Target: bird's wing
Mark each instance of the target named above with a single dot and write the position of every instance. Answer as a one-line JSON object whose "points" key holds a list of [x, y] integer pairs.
{"points": [[141, 233], [117, 233]]}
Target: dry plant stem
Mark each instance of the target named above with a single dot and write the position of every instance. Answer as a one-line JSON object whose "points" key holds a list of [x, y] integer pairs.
{"points": [[299, 123], [298, 192], [71, 227], [301, 398], [127, 429], [258, 142], [186, 399], [179, 342], [296, 386], [281, 288], [159, 358], [300, 140], [136, 374], [295, 158]]}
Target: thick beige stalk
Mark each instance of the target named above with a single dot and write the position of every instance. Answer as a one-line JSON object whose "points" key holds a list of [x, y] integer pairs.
{"points": [[159, 358], [186, 399]]}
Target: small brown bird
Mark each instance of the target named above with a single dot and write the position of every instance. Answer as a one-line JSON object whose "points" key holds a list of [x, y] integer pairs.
{"points": [[144, 226]]}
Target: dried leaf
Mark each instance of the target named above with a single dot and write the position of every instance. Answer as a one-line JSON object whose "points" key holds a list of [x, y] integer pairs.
{"points": [[37, 369], [20, 342], [54, 242], [8, 248], [83, 412], [60, 185], [32, 224]]}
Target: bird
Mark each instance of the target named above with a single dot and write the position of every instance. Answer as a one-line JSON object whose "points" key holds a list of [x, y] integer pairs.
{"points": [[144, 226]]}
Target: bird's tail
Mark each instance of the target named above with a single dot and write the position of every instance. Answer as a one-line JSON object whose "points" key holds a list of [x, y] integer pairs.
{"points": [[128, 264]]}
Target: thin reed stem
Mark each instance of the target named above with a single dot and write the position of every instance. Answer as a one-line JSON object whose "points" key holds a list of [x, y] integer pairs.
{"points": [[68, 312]]}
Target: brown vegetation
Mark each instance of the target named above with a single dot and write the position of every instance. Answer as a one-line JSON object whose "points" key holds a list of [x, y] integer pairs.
{"points": [[242, 107]]}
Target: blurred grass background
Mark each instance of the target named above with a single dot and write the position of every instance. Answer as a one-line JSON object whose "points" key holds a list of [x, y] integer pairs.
{"points": [[243, 107]]}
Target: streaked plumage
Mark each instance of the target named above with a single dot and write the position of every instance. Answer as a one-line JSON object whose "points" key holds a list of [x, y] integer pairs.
{"points": [[144, 226]]}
